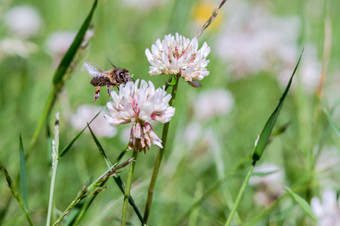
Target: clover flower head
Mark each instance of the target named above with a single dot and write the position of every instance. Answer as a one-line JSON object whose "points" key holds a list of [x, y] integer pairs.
{"points": [[23, 21], [140, 105], [178, 55]]}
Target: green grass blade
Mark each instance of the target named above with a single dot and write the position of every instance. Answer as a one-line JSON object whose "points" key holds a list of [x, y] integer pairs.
{"points": [[100, 147], [68, 147], [23, 173], [302, 203], [268, 128], [58, 78], [15, 194]]}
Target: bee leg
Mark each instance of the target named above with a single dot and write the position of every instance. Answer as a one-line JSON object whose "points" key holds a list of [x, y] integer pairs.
{"points": [[108, 90], [96, 93]]}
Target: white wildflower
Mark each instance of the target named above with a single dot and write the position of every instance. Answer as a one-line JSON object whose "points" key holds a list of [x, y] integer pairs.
{"points": [[178, 55], [327, 210], [212, 103], [140, 104], [99, 126], [253, 40], [23, 21]]}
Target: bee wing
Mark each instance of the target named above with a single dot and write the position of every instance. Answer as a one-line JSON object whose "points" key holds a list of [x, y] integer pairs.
{"points": [[93, 70]]}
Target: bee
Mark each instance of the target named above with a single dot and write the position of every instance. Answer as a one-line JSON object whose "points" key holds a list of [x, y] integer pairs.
{"points": [[111, 78]]}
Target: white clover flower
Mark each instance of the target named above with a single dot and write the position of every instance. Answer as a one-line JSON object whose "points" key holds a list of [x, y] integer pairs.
{"points": [[178, 55], [140, 105], [23, 21], [84, 114], [327, 211]]}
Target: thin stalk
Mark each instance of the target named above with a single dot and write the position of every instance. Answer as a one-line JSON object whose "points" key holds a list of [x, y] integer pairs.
{"points": [[240, 194], [159, 155], [55, 154], [49, 213], [128, 188], [97, 185]]}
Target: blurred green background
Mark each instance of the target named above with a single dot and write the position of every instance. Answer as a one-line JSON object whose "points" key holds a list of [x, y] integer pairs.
{"points": [[197, 157]]}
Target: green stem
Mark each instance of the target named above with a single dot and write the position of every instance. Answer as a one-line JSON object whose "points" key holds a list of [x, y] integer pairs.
{"points": [[159, 155], [128, 188], [240, 194]]}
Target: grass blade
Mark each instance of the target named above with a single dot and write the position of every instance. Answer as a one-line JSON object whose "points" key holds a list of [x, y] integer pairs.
{"points": [[68, 147], [268, 128], [23, 173], [15, 194], [302, 203], [261, 143], [100, 147], [116, 177], [59, 77]]}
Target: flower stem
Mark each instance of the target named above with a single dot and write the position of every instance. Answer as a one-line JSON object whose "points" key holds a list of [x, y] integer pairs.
{"points": [[128, 188], [160, 155], [240, 194]]}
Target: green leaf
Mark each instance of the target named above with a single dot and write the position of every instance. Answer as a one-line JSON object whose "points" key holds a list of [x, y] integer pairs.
{"points": [[15, 194], [334, 126], [268, 128], [100, 147], [302, 203], [68, 147], [71, 52], [262, 174], [59, 77], [23, 173], [173, 81]]}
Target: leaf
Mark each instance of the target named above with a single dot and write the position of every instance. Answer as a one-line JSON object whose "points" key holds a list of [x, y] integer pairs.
{"points": [[173, 81], [59, 78], [267, 130], [15, 194], [302, 203], [100, 147], [23, 173], [67, 148], [262, 174], [71, 52]]}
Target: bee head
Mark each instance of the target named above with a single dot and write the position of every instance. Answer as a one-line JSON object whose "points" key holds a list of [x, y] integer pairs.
{"points": [[122, 75]]}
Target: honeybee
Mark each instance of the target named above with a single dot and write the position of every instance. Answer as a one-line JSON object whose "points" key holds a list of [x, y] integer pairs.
{"points": [[111, 78]]}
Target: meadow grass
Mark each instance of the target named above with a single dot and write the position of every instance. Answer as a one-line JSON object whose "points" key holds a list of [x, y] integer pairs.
{"points": [[205, 172]]}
